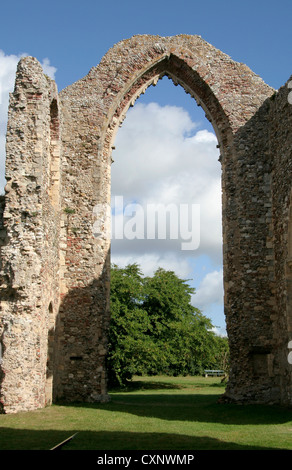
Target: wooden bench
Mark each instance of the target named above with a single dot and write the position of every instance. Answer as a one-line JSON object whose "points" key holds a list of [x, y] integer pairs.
{"points": [[216, 373]]}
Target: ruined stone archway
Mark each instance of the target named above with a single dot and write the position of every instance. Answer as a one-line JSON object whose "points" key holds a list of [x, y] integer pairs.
{"points": [[58, 171]]}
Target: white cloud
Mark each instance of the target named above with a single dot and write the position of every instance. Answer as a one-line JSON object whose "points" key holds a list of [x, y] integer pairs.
{"points": [[8, 65], [149, 262], [48, 69], [156, 144], [210, 290], [219, 331], [161, 158]]}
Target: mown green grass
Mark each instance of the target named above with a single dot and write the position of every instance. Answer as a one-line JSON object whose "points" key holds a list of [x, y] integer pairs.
{"points": [[153, 413]]}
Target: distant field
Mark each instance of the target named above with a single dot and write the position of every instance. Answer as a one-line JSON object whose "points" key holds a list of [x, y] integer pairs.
{"points": [[153, 413]]}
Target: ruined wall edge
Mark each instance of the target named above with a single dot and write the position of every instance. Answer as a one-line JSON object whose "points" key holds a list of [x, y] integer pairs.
{"points": [[30, 240]]}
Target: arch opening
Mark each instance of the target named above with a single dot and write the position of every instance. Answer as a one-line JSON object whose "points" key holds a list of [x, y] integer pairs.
{"points": [[179, 169], [181, 74]]}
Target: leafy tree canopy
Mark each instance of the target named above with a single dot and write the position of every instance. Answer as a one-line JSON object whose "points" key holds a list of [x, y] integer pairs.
{"points": [[156, 330]]}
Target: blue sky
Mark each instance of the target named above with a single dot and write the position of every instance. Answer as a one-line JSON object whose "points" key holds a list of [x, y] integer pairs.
{"points": [[70, 37], [75, 35]]}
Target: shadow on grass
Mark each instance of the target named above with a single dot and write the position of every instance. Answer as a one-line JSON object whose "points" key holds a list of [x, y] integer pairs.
{"points": [[141, 385], [192, 408], [25, 439], [150, 441]]}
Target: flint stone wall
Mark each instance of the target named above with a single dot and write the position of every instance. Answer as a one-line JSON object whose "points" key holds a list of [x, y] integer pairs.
{"points": [[55, 273]]}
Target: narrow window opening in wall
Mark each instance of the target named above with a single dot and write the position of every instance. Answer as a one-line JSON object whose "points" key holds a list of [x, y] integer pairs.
{"points": [[76, 358], [1, 352], [51, 339], [54, 120], [166, 152]]}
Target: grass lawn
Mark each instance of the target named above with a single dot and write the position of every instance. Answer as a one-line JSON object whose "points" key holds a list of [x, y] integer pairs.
{"points": [[153, 413]]}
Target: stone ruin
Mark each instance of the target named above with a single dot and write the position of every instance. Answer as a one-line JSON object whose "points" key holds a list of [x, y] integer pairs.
{"points": [[55, 274]]}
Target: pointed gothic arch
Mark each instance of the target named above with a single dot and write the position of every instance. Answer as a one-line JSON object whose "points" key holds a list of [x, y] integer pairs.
{"points": [[72, 265]]}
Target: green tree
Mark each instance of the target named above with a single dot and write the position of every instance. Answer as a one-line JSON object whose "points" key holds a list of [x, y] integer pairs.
{"points": [[156, 329], [181, 330], [131, 348]]}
